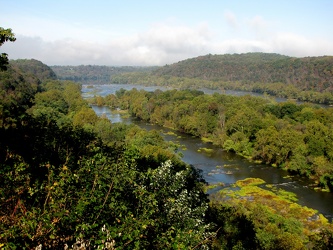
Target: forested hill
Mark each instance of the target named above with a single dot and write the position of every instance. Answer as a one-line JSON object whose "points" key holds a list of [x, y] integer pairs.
{"points": [[18, 86], [34, 68], [309, 73], [94, 73]]}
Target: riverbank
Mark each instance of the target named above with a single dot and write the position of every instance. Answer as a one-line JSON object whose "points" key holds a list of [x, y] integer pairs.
{"points": [[266, 172], [227, 162]]}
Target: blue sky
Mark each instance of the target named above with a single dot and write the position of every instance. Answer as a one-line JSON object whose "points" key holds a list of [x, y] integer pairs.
{"points": [[142, 32]]}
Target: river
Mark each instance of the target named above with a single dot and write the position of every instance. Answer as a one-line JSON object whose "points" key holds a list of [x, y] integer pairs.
{"points": [[218, 165]]}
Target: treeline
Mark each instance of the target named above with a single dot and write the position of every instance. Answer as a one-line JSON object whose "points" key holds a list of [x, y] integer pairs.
{"points": [[298, 138], [94, 74], [70, 179], [305, 79]]}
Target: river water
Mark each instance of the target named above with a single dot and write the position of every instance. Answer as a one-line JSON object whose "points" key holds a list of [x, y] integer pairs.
{"points": [[216, 164]]}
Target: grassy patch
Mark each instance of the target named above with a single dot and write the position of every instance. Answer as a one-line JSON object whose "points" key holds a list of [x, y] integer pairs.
{"points": [[249, 182], [206, 139], [122, 112], [287, 195], [280, 202], [125, 116], [206, 150], [170, 133], [212, 186], [119, 111]]}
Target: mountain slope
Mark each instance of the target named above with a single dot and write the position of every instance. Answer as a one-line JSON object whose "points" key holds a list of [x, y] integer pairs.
{"points": [[35, 68], [310, 73], [94, 74], [18, 86]]}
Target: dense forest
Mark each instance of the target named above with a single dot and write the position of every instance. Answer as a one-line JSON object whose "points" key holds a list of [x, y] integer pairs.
{"points": [[34, 68], [306, 79], [309, 73], [94, 74], [73, 180], [70, 179]]}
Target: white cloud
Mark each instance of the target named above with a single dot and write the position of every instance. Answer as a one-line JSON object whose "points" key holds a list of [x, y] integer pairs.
{"points": [[163, 43], [300, 46], [259, 26], [231, 19], [240, 46]]}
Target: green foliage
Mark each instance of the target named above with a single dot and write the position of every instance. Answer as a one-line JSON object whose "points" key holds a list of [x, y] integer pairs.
{"points": [[5, 36], [69, 177], [96, 74], [306, 79], [35, 68], [296, 137], [17, 90], [256, 218], [137, 206], [249, 182], [85, 117], [311, 73]]}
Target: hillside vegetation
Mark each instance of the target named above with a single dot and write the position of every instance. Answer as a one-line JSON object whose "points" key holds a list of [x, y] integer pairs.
{"points": [[310, 73], [34, 68], [306, 79], [94, 74]]}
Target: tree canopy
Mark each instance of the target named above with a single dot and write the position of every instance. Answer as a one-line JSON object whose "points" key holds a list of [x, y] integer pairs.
{"points": [[291, 136], [5, 35]]}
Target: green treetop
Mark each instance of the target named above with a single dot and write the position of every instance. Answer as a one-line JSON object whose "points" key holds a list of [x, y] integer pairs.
{"points": [[5, 35]]}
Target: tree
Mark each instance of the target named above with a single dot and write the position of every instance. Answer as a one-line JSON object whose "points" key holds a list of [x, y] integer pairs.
{"points": [[5, 35], [316, 137], [246, 120], [86, 117]]}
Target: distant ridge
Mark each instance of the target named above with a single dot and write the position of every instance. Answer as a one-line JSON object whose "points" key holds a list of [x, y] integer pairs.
{"points": [[308, 73], [94, 74]]}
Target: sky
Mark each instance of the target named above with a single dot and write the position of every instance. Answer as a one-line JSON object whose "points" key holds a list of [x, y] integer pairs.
{"points": [[148, 33]]}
